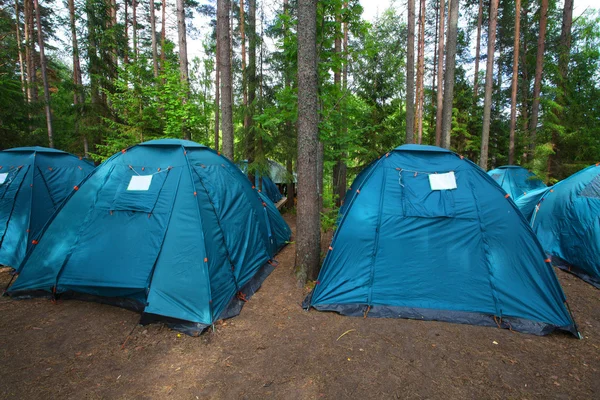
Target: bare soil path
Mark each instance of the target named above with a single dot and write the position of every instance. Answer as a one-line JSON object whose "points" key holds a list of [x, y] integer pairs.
{"points": [[274, 349]]}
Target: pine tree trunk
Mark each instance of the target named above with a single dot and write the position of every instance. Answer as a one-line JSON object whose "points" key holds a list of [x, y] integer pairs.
{"points": [[343, 169], [289, 128], [489, 80], [163, 36], [308, 232], [244, 78], [337, 81], [126, 22], [223, 9], [421, 72], [478, 50], [78, 94], [134, 28], [217, 93], [449, 74], [440, 73], [515, 80], [153, 37], [29, 51], [410, 74], [183, 59], [44, 75], [563, 70], [434, 73], [19, 48], [537, 85]]}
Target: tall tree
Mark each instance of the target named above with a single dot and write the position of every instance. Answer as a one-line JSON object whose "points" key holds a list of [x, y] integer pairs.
{"points": [[183, 58], [515, 80], [489, 80], [254, 147], [217, 92], [564, 53], [44, 69], [420, 72], [537, 85], [308, 232], [478, 49], [30, 51], [339, 167], [452, 39], [135, 30], [223, 8], [410, 74], [244, 79], [440, 72], [163, 33], [153, 38], [19, 49], [78, 91]]}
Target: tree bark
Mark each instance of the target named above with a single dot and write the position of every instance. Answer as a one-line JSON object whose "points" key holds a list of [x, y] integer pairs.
{"points": [[308, 232], [78, 94], [489, 80], [182, 38], [134, 28], [449, 74], [126, 22], [244, 81], [537, 85], [478, 50], [217, 93], [183, 59], [337, 81], [44, 75], [223, 8], [19, 48], [440, 82], [515, 80], [163, 35], [153, 37], [421, 72], [410, 74], [563, 70], [254, 148], [29, 51]]}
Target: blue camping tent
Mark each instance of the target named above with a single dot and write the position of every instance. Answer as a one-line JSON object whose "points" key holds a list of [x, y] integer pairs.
{"points": [[567, 223], [515, 180], [169, 228], [426, 234], [34, 181], [528, 202], [269, 188]]}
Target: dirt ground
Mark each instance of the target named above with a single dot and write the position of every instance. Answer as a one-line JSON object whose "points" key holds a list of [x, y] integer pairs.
{"points": [[274, 349]]}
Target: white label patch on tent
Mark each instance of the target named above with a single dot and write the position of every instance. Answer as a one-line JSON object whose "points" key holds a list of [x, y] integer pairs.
{"points": [[140, 182], [445, 181], [3, 177]]}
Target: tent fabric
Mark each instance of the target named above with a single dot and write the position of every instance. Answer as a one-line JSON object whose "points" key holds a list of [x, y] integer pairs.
{"points": [[180, 251], [528, 202], [567, 224], [34, 181], [464, 255], [515, 180], [269, 188]]}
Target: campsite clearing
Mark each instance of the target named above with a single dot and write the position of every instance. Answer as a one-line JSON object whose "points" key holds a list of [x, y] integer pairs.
{"points": [[274, 349]]}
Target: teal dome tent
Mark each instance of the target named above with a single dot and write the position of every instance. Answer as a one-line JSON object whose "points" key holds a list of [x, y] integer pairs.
{"points": [[34, 181], [515, 180], [426, 234], [567, 223], [169, 228]]}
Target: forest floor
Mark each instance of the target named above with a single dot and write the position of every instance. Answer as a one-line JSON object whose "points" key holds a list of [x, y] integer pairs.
{"points": [[274, 349]]}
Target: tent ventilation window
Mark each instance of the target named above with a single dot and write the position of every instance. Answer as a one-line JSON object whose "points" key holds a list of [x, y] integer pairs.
{"points": [[592, 189], [3, 177]]}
